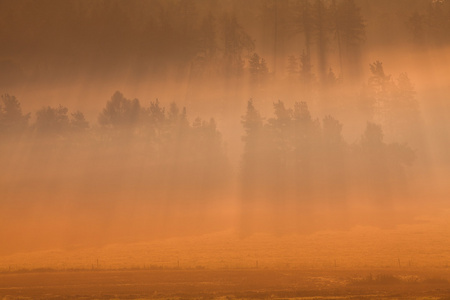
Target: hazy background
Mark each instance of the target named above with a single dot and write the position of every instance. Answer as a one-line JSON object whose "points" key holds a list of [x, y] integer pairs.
{"points": [[130, 121]]}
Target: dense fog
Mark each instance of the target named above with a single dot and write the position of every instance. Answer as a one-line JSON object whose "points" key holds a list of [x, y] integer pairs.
{"points": [[125, 121]]}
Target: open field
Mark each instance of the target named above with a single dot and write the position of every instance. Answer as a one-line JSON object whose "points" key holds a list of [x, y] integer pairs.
{"points": [[409, 261], [227, 284]]}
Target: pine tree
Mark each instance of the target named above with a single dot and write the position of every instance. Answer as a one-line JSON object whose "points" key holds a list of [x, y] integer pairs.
{"points": [[120, 113], [292, 67], [52, 121], [235, 41], [321, 29], [78, 122], [306, 75], [349, 30], [258, 70], [253, 125], [303, 22], [12, 120]]}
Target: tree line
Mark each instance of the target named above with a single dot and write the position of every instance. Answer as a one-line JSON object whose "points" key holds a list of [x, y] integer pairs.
{"points": [[42, 39], [295, 157], [145, 148], [291, 155]]}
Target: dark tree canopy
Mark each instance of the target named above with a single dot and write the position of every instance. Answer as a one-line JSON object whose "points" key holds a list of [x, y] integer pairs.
{"points": [[120, 112], [12, 120]]}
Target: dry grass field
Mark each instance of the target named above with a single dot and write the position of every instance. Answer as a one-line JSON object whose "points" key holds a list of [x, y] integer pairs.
{"points": [[227, 284], [407, 261]]}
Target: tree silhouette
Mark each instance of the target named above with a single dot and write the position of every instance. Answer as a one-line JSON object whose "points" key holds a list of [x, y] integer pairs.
{"points": [[120, 113], [304, 23], [335, 160], [54, 122], [321, 25], [296, 161], [393, 104], [349, 30], [273, 15], [253, 172], [383, 165], [306, 145], [376, 93], [235, 41], [253, 138], [258, 70], [306, 74], [280, 130], [439, 21], [12, 120], [404, 118], [254, 65], [207, 47], [78, 122], [207, 38], [292, 67]]}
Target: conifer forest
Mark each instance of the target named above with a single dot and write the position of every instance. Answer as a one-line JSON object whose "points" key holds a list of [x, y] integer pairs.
{"points": [[224, 149]]}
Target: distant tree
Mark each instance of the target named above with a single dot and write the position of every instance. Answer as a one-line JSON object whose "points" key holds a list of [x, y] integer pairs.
{"points": [[52, 121], [374, 168], [207, 143], [263, 71], [235, 41], [273, 16], [383, 165], [336, 27], [378, 79], [110, 26], [306, 74], [335, 160], [185, 17], [292, 67], [416, 24], [439, 22], [373, 138], [280, 129], [349, 28], [155, 122], [78, 123], [332, 133], [307, 130], [207, 37], [294, 161], [177, 122], [393, 104], [303, 22], [12, 120], [306, 142], [174, 112], [331, 80], [208, 48], [193, 157], [253, 126], [258, 70], [404, 113], [157, 114], [255, 151], [376, 93], [120, 113], [321, 28], [254, 65]]}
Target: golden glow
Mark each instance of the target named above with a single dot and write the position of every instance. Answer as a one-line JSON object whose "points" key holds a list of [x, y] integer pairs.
{"points": [[225, 135]]}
